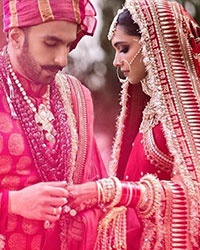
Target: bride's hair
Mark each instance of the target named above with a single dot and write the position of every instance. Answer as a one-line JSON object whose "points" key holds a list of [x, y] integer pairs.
{"points": [[130, 27]]}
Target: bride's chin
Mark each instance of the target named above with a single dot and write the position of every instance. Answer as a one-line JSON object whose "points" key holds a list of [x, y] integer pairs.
{"points": [[130, 81]]}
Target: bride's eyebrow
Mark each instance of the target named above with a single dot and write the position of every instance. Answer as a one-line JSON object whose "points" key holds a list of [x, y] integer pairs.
{"points": [[117, 44]]}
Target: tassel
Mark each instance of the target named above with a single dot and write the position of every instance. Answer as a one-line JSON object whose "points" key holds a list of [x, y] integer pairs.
{"points": [[112, 230]]}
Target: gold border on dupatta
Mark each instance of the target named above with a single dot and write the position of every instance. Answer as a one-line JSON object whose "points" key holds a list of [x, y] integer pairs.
{"points": [[65, 91], [82, 150], [192, 118], [13, 12], [173, 84], [45, 10], [77, 13], [177, 120], [79, 143]]}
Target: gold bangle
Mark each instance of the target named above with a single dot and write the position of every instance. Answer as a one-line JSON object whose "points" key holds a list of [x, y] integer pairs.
{"points": [[118, 192], [101, 198], [154, 197]]}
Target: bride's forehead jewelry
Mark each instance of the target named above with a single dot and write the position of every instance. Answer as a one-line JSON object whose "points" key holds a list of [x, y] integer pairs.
{"points": [[113, 26]]}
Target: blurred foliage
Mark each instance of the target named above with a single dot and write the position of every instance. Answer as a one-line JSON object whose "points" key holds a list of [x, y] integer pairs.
{"points": [[193, 7], [108, 12]]}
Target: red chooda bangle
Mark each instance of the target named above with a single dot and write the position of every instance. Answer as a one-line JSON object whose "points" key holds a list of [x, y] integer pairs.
{"points": [[131, 193]]}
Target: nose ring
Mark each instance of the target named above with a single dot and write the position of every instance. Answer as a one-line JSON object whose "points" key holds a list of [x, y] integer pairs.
{"points": [[118, 68], [119, 78]]}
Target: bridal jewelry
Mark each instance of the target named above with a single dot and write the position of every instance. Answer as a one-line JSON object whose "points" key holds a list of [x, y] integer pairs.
{"points": [[120, 79], [43, 116], [129, 65]]}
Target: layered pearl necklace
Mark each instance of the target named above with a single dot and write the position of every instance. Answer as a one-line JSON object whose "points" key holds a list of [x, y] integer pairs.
{"points": [[43, 116]]}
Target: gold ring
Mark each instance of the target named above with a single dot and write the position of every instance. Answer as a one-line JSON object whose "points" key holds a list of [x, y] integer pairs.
{"points": [[54, 211]]}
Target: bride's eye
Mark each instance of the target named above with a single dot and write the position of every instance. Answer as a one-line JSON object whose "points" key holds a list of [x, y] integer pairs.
{"points": [[124, 49]]}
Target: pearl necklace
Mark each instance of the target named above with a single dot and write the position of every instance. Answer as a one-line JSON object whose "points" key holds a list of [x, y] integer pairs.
{"points": [[43, 116]]}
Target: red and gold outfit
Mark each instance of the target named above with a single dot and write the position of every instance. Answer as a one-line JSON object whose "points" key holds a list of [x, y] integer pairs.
{"points": [[36, 149], [19, 160], [157, 151]]}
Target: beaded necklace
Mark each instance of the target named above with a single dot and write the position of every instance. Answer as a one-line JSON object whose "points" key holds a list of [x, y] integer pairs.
{"points": [[43, 116], [59, 162], [51, 164]]}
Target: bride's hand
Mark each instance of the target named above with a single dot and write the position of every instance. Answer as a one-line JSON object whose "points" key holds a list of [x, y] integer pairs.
{"points": [[82, 196]]}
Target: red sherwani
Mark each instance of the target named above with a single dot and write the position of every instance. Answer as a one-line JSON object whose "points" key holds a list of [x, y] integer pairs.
{"points": [[17, 168]]}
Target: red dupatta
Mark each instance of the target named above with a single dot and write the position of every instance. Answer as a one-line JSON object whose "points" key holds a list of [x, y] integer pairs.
{"points": [[171, 51]]}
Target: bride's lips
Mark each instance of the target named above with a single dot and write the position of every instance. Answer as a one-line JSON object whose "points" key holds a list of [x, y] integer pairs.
{"points": [[125, 73]]}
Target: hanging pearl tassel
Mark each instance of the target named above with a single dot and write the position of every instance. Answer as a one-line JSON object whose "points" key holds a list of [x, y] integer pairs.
{"points": [[112, 230]]}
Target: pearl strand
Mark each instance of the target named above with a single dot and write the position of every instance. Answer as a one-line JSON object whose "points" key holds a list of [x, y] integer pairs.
{"points": [[21, 89], [43, 116]]}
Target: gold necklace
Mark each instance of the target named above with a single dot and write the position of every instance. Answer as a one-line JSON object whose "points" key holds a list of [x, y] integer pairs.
{"points": [[43, 116]]}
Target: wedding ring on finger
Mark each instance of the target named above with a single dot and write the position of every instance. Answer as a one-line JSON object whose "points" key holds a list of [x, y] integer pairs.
{"points": [[54, 211]]}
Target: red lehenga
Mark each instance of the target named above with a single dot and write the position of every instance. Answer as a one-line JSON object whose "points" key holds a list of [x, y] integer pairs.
{"points": [[26, 157], [161, 147]]}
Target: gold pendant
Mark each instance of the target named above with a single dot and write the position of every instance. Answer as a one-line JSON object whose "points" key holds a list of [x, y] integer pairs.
{"points": [[50, 137], [43, 118]]}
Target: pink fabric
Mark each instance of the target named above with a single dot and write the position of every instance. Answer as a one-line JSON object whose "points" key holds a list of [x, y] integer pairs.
{"points": [[136, 103], [28, 13], [93, 169], [133, 162], [138, 165], [135, 159], [4, 211], [17, 171]]}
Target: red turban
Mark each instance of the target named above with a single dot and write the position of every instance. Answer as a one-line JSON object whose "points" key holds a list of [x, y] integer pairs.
{"points": [[23, 13]]}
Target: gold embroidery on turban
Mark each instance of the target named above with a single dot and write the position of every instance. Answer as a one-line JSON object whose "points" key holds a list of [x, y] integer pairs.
{"points": [[76, 11], [13, 12], [45, 10]]}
